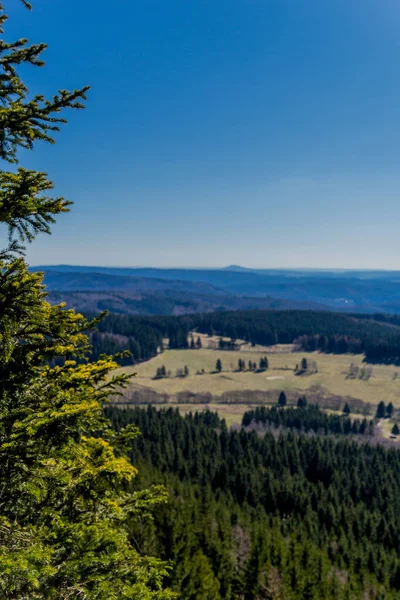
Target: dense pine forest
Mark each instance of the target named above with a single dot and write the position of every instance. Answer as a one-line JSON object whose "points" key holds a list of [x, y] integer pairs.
{"points": [[308, 418], [377, 336], [274, 516]]}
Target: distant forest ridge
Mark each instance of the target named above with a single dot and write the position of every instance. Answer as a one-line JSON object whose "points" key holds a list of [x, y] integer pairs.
{"points": [[229, 288], [376, 336]]}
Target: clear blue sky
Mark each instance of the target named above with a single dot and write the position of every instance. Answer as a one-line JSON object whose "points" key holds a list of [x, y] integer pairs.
{"points": [[258, 132]]}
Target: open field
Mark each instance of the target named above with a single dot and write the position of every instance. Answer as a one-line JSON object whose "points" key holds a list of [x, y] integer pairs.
{"points": [[231, 386]]}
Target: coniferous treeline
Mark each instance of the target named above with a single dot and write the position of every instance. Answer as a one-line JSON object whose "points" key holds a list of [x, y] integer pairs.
{"points": [[308, 418], [289, 517], [379, 339]]}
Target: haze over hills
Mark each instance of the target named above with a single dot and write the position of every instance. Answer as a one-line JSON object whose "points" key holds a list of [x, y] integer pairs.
{"points": [[193, 290]]}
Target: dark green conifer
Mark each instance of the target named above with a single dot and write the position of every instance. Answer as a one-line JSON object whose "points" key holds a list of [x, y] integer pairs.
{"points": [[381, 410], [65, 514], [282, 400]]}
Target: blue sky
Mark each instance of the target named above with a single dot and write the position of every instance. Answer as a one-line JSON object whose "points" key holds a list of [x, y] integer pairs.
{"points": [[257, 132]]}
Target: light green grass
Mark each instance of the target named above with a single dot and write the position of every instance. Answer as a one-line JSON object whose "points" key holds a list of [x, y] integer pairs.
{"points": [[330, 379]]}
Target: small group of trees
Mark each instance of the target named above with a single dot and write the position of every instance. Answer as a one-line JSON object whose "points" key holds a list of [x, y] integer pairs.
{"points": [[162, 372], [252, 366], [355, 372], [241, 365], [383, 411], [195, 345], [306, 366], [182, 372], [302, 402]]}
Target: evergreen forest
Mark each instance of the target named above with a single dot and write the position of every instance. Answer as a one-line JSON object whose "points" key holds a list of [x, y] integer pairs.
{"points": [[376, 336], [280, 515]]}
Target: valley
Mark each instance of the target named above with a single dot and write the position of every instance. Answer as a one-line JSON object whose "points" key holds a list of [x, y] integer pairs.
{"points": [[330, 382]]}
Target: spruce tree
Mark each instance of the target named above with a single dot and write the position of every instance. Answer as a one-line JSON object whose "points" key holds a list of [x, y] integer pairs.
{"points": [[64, 504], [282, 401], [346, 409], [302, 402], [218, 366], [389, 410], [381, 410], [395, 429]]}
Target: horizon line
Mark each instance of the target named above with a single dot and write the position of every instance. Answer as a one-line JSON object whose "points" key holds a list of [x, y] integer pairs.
{"points": [[219, 268]]}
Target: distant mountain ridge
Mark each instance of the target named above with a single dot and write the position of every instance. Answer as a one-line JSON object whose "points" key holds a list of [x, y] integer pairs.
{"points": [[365, 291]]}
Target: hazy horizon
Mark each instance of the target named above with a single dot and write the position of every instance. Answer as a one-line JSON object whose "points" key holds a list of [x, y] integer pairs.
{"points": [[213, 267]]}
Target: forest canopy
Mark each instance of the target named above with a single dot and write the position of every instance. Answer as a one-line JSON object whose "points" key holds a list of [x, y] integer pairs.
{"points": [[288, 516], [377, 336]]}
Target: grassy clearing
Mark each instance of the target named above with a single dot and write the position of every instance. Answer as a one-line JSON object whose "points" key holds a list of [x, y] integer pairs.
{"points": [[330, 379]]}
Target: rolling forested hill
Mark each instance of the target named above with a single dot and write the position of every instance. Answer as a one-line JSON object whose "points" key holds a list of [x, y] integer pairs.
{"points": [[360, 291], [292, 516], [378, 338]]}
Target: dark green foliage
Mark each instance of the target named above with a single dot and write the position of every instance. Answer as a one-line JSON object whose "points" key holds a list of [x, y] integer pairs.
{"points": [[326, 332], [161, 372], [389, 410], [304, 364], [381, 410], [302, 402], [282, 401], [218, 366], [346, 409], [263, 364], [396, 429], [307, 418], [284, 517]]}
